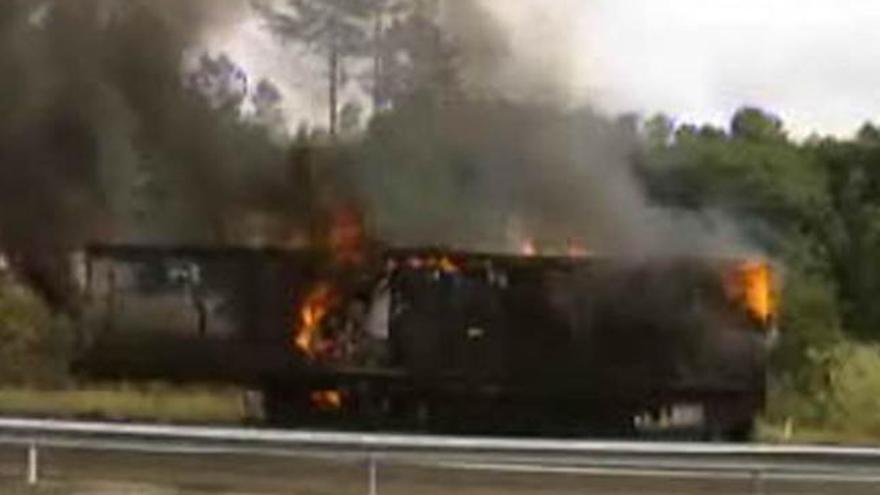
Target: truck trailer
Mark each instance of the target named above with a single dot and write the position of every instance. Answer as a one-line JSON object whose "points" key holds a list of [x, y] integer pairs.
{"points": [[441, 340]]}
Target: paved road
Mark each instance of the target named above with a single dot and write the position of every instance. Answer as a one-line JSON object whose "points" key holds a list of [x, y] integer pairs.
{"points": [[124, 473]]}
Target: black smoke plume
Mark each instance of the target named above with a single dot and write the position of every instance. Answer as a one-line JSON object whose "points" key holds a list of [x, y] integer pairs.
{"points": [[101, 138]]}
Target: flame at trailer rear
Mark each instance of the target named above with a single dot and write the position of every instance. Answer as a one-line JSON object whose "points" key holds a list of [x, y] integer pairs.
{"points": [[752, 284], [759, 289]]}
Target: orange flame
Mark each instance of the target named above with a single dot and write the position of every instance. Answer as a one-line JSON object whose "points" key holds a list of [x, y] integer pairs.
{"points": [[443, 264], [577, 250], [447, 265], [752, 285], [326, 399], [759, 295], [313, 311], [528, 248]]}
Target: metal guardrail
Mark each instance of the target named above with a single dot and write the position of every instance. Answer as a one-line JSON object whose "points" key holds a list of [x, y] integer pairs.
{"points": [[757, 462]]}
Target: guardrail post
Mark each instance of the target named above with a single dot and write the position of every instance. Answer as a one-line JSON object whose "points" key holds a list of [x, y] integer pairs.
{"points": [[33, 467], [373, 475], [758, 482]]}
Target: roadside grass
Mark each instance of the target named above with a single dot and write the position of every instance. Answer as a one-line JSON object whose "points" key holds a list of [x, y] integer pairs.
{"points": [[791, 433], [164, 403], [124, 402], [841, 407]]}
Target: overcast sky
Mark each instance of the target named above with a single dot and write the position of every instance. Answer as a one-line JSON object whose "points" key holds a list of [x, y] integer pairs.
{"points": [[814, 62]]}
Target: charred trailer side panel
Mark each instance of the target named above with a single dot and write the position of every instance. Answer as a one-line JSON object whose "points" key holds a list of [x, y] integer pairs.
{"points": [[592, 346], [190, 314]]}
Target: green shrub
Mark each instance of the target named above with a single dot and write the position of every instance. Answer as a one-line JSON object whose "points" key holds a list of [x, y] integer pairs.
{"points": [[34, 343], [854, 380], [843, 404]]}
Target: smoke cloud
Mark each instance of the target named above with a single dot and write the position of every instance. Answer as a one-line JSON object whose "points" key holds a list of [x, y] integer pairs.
{"points": [[491, 174], [526, 50], [103, 139], [94, 109], [515, 158]]}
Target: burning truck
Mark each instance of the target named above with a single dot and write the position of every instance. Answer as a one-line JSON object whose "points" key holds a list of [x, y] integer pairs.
{"points": [[442, 340]]}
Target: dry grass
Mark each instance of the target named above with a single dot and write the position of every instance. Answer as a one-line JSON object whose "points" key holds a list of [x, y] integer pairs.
{"points": [[160, 403]]}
